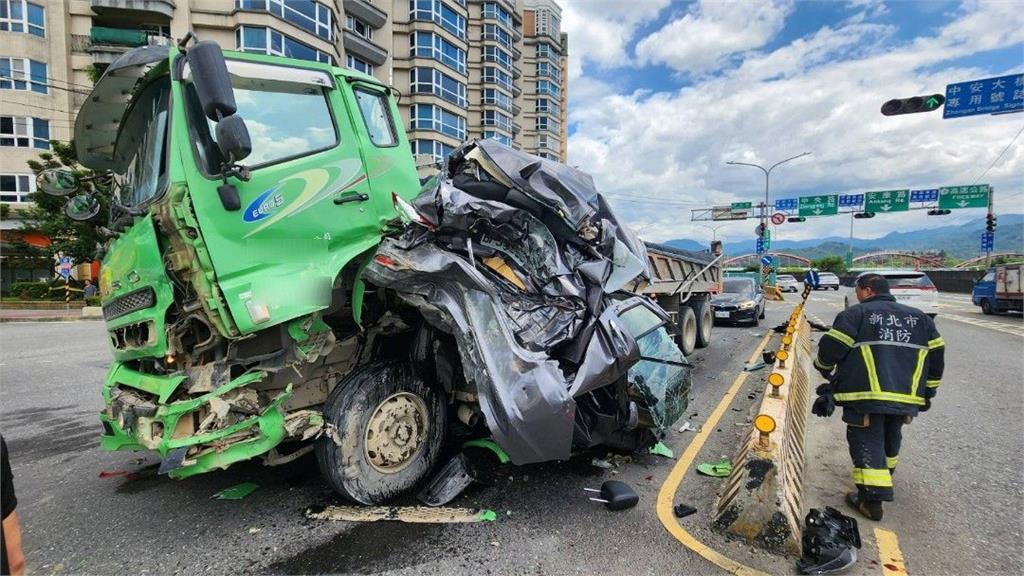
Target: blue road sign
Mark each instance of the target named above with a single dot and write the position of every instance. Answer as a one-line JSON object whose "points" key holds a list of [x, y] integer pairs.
{"points": [[766, 260], [787, 203], [986, 96], [760, 245], [987, 241], [65, 267], [851, 200], [930, 195], [812, 278]]}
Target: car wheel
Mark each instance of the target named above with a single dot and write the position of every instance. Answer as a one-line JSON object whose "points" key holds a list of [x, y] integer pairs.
{"points": [[389, 426], [687, 330], [761, 316], [986, 307], [704, 322], [836, 288]]}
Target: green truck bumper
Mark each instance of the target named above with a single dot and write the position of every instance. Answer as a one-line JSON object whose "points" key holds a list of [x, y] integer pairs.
{"points": [[170, 427]]}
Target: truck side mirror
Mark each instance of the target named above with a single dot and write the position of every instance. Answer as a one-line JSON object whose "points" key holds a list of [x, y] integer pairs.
{"points": [[57, 181], [213, 88]]}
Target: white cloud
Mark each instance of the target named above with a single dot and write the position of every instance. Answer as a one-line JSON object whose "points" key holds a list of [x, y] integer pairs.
{"points": [[600, 30], [712, 32], [658, 155]]}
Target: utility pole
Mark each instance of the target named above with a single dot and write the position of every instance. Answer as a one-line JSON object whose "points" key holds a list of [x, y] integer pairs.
{"points": [[767, 184], [849, 250]]}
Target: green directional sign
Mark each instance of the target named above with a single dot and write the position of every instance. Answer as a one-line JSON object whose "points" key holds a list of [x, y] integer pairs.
{"points": [[736, 206], [953, 197], [819, 205], [887, 201]]}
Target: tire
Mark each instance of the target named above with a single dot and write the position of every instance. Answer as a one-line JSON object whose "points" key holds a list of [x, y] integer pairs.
{"points": [[705, 320], [687, 330], [986, 307], [756, 321], [761, 316], [363, 403], [836, 288]]}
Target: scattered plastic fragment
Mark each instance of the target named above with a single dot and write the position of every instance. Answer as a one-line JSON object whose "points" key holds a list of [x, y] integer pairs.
{"points": [[683, 510], [410, 514], [448, 483], [660, 449], [718, 469], [488, 444], [119, 473], [255, 530], [687, 427], [755, 366], [601, 463], [488, 516], [829, 542], [615, 495], [236, 492]]}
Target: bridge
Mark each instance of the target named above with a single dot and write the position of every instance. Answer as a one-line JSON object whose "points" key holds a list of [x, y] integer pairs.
{"points": [[895, 259], [980, 260], [755, 259]]}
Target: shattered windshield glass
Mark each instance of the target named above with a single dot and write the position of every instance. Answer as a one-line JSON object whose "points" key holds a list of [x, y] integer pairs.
{"points": [[661, 380]]}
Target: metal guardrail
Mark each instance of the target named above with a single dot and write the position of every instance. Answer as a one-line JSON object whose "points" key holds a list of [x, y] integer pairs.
{"points": [[762, 502]]}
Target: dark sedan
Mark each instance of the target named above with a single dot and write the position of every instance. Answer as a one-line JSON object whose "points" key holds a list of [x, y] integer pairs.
{"points": [[741, 301]]}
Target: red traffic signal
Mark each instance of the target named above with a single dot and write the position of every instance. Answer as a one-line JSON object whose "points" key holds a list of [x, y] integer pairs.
{"points": [[990, 223], [898, 106]]}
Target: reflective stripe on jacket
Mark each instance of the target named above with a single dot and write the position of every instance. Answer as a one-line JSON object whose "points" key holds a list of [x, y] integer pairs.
{"points": [[888, 357]]}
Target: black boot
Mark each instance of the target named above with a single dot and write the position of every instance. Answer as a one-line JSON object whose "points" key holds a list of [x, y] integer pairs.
{"points": [[871, 510]]}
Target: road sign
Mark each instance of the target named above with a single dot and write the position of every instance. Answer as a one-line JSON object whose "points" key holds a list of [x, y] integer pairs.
{"points": [[952, 197], [66, 264], [766, 260], [760, 245], [768, 235], [811, 278], [986, 96], [929, 195], [987, 241], [887, 201], [734, 211], [778, 218], [787, 203], [851, 200], [819, 205], [740, 206]]}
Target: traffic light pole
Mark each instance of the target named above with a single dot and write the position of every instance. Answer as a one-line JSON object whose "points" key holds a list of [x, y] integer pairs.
{"points": [[849, 249], [988, 252]]}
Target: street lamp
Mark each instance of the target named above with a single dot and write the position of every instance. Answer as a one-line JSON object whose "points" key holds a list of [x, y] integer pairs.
{"points": [[767, 173], [714, 229]]}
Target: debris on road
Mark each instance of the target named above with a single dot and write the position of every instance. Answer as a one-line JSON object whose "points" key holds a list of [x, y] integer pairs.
{"points": [[719, 469], [615, 495], [409, 514], [829, 542], [601, 463], [755, 366], [687, 427], [448, 483], [660, 449], [488, 444], [236, 492], [119, 474], [683, 510]]}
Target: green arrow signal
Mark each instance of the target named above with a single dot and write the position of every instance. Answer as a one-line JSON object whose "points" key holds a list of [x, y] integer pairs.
{"points": [[932, 102]]}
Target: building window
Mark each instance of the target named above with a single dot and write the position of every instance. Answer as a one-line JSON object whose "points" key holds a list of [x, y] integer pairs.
{"points": [[23, 74], [358, 65], [439, 12], [497, 98], [269, 41], [430, 117], [547, 51], [506, 140], [493, 10], [16, 187], [548, 69], [548, 124], [432, 81], [497, 119], [547, 24], [548, 87], [24, 132], [430, 45], [498, 55], [499, 35], [22, 16], [311, 16], [438, 150], [359, 27], [548, 106], [497, 76]]}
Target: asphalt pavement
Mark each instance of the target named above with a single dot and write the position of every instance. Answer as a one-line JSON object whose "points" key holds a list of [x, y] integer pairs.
{"points": [[959, 495]]}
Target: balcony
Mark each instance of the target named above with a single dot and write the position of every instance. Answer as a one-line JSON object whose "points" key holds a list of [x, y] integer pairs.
{"points": [[106, 44], [362, 48], [517, 110], [136, 8], [366, 12]]}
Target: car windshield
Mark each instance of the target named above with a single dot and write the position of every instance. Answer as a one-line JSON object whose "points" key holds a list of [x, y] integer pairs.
{"points": [[738, 287], [141, 147], [909, 281]]}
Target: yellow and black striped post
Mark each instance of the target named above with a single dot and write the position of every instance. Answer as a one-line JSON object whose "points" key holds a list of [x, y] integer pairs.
{"points": [[67, 294]]}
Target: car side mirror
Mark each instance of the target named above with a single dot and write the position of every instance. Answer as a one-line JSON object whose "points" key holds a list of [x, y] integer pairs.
{"points": [[217, 99]]}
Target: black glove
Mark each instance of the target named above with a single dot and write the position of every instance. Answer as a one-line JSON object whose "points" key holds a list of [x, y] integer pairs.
{"points": [[824, 406], [927, 405], [826, 374], [823, 388]]}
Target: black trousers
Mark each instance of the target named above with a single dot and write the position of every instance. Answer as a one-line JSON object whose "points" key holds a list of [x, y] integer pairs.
{"points": [[874, 441]]}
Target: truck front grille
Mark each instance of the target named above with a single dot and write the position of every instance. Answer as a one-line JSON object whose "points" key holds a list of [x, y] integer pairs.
{"points": [[138, 300]]}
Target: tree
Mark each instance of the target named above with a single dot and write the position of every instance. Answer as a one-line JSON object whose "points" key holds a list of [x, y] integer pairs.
{"points": [[46, 216], [835, 264]]}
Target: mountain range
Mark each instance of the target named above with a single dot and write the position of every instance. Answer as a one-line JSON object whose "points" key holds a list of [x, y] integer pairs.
{"points": [[959, 241]]}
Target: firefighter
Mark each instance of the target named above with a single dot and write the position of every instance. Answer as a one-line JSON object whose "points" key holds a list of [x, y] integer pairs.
{"points": [[884, 362]]}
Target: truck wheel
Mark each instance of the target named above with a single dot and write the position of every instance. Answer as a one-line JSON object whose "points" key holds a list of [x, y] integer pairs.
{"points": [[705, 320], [687, 330], [986, 307], [389, 428]]}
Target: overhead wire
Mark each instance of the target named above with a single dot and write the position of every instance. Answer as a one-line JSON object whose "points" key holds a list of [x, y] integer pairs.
{"points": [[1014, 139]]}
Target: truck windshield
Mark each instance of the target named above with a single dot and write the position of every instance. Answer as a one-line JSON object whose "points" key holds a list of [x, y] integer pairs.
{"points": [[141, 150]]}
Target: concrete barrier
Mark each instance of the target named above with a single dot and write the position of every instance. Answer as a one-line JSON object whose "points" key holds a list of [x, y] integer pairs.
{"points": [[92, 312], [763, 497]]}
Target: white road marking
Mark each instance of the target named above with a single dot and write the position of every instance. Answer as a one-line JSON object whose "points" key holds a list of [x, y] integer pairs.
{"points": [[990, 324]]}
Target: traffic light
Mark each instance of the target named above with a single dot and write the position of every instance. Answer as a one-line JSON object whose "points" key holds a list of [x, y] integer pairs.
{"points": [[864, 215], [938, 212], [796, 219], [898, 106], [990, 223]]}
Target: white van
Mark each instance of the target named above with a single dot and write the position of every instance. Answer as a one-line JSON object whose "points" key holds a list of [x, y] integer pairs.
{"points": [[910, 287]]}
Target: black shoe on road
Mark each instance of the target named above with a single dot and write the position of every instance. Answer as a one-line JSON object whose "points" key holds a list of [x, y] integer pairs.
{"points": [[870, 510]]}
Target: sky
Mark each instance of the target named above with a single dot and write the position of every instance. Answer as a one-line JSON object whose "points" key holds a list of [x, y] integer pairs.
{"points": [[663, 93]]}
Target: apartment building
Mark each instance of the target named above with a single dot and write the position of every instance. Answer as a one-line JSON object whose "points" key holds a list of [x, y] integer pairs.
{"points": [[464, 68]]}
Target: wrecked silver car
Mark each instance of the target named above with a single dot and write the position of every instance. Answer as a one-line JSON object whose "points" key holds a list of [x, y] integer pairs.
{"points": [[519, 265]]}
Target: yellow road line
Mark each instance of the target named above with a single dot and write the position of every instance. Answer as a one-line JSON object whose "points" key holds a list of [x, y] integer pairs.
{"points": [[889, 553], [667, 493]]}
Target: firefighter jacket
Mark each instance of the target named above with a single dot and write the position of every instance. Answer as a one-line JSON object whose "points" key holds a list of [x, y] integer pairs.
{"points": [[888, 357]]}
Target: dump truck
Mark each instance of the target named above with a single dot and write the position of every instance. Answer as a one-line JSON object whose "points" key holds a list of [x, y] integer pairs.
{"points": [[276, 281]]}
